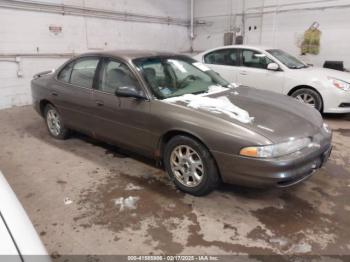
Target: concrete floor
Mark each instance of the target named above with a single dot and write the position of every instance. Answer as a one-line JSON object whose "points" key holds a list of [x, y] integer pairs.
{"points": [[311, 218]]}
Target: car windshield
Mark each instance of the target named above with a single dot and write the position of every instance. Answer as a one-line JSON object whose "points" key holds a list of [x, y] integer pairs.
{"points": [[287, 59], [177, 75]]}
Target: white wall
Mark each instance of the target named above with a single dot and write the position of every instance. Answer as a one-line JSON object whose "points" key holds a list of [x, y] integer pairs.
{"points": [[282, 29], [290, 27], [216, 15], [25, 33]]}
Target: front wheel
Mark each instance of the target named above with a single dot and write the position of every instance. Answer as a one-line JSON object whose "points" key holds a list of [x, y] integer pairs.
{"points": [[54, 123], [191, 166], [310, 97]]}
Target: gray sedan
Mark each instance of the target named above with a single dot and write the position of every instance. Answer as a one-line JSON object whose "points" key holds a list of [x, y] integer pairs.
{"points": [[174, 109]]}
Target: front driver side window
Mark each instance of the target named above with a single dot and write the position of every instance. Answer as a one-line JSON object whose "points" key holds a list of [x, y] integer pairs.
{"points": [[255, 59], [115, 75]]}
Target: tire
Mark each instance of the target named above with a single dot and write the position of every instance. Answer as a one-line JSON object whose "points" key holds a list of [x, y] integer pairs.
{"points": [[186, 172], [54, 123], [309, 96]]}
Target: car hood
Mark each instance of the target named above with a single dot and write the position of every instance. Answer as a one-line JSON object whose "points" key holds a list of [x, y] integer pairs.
{"points": [[323, 73], [274, 116]]}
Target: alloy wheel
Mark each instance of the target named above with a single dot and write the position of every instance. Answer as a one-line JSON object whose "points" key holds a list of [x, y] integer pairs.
{"points": [[307, 99], [53, 122], [187, 166]]}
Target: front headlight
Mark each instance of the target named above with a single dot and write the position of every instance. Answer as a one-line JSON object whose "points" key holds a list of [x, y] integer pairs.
{"points": [[276, 150], [340, 84]]}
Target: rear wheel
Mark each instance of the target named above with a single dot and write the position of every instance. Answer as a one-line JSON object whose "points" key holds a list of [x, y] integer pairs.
{"points": [[54, 123], [309, 96], [191, 166]]}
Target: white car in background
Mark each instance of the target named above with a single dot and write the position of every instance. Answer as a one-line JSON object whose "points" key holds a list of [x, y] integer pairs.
{"points": [[271, 69], [18, 238]]}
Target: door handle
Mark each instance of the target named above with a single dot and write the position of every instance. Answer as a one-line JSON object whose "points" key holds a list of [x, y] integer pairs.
{"points": [[54, 94], [244, 73], [99, 103]]}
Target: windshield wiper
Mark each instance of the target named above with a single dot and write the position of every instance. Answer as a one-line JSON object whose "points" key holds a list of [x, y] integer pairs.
{"points": [[303, 66], [297, 67], [199, 92]]}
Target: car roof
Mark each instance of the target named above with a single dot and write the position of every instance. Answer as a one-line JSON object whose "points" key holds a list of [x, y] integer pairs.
{"points": [[255, 47], [131, 54], [263, 47]]}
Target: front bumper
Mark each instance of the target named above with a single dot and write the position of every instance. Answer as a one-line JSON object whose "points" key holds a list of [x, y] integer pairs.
{"points": [[280, 172], [337, 101]]}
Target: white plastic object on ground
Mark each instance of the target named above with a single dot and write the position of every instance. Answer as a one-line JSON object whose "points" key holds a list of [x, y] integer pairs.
{"points": [[126, 203], [131, 186], [67, 201]]}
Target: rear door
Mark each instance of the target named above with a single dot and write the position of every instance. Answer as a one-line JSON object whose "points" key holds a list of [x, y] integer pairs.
{"points": [[72, 93], [121, 120], [254, 73], [225, 62]]}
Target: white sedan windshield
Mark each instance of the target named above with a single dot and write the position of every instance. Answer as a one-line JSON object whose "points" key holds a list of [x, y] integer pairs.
{"points": [[287, 59]]}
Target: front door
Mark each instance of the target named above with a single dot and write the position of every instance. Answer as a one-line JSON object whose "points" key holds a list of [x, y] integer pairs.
{"points": [[121, 120], [254, 73]]}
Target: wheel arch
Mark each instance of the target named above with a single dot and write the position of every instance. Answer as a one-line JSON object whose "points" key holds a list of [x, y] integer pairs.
{"points": [[296, 88], [166, 137], [43, 103]]}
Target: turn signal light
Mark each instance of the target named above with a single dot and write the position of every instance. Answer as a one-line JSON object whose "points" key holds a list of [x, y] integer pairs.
{"points": [[249, 151]]}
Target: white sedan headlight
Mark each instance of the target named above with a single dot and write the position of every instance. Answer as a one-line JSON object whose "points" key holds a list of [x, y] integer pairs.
{"points": [[339, 83], [276, 150]]}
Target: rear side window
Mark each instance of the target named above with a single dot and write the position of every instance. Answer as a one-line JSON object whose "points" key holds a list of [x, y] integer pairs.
{"points": [[229, 57], [65, 73], [83, 72]]}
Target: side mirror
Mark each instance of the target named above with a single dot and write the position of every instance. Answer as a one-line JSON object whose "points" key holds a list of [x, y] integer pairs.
{"points": [[273, 67], [129, 91]]}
